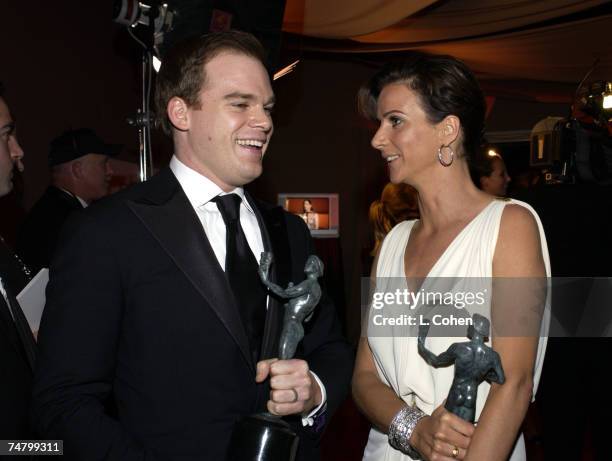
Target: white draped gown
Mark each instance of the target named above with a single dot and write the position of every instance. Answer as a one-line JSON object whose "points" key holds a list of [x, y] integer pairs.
{"points": [[399, 365]]}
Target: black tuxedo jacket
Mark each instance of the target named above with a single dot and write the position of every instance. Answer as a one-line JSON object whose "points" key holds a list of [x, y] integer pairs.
{"points": [[15, 364], [139, 313], [41, 228]]}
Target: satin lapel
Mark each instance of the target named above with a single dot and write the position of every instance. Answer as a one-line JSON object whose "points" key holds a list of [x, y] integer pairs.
{"points": [[275, 239], [169, 216], [8, 329]]}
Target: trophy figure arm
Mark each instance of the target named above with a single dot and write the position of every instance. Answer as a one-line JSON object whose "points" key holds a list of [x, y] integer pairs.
{"points": [[444, 359], [264, 266], [277, 290]]}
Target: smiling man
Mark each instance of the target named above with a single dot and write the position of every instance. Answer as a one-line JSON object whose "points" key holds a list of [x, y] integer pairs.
{"points": [[162, 314]]}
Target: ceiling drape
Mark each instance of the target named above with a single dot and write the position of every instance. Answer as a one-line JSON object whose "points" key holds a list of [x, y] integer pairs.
{"points": [[472, 18], [503, 39], [346, 18]]}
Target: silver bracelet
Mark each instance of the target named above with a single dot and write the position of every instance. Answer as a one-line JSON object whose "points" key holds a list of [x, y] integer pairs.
{"points": [[401, 428]]}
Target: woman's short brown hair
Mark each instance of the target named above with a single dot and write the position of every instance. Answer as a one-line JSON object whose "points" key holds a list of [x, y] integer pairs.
{"points": [[445, 86], [182, 71]]}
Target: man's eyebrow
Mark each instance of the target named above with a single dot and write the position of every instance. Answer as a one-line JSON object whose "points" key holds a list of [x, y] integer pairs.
{"points": [[247, 97], [238, 95]]}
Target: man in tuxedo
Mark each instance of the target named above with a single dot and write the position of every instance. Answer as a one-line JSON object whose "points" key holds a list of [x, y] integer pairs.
{"points": [[80, 174], [154, 305], [17, 347]]}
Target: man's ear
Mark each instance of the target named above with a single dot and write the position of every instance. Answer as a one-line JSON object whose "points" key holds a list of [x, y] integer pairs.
{"points": [[449, 129], [178, 113], [76, 168]]}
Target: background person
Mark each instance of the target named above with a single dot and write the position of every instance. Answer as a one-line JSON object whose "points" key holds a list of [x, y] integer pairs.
{"points": [[17, 346], [490, 174], [397, 203], [80, 174], [310, 217]]}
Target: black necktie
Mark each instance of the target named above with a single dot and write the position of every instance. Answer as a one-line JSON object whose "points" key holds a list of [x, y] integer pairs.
{"points": [[241, 270], [20, 324]]}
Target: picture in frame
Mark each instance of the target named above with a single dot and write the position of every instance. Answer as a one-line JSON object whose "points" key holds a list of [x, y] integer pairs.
{"points": [[320, 212]]}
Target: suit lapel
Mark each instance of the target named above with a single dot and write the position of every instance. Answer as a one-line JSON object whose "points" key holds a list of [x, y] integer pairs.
{"points": [[17, 331], [8, 329], [170, 218]]}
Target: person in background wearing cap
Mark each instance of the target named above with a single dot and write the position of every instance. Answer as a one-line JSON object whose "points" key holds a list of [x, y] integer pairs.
{"points": [[17, 346], [80, 174]]}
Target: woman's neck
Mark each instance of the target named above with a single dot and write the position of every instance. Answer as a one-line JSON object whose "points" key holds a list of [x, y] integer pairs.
{"points": [[449, 197]]}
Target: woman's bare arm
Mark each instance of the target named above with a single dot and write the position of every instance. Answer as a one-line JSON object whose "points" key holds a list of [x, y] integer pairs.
{"points": [[518, 268]]}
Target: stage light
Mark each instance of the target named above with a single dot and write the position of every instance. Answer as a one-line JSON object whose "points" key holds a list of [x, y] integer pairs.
{"points": [[492, 153], [147, 23], [607, 96], [131, 13]]}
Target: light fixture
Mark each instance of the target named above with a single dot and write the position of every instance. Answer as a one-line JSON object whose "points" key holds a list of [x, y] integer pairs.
{"points": [[607, 96], [492, 153], [132, 13], [147, 23]]}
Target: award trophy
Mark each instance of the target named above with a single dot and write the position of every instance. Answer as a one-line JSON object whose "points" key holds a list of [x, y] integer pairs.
{"points": [[474, 362], [264, 436]]}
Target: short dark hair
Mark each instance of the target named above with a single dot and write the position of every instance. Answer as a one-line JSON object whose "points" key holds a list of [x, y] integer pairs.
{"points": [[445, 86], [182, 70]]}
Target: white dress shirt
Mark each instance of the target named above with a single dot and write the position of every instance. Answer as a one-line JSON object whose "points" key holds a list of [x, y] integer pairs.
{"points": [[83, 203], [200, 191]]}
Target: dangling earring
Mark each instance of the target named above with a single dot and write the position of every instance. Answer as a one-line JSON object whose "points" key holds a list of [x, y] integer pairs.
{"points": [[440, 156]]}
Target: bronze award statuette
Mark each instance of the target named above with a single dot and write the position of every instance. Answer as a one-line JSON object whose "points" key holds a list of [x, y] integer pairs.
{"points": [[264, 436], [474, 362]]}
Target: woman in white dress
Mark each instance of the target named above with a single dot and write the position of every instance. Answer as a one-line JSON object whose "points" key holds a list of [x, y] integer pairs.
{"points": [[431, 115], [310, 217]]}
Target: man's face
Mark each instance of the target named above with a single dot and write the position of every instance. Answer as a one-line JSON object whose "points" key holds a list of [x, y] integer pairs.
{"points": [[96, 174], [10, 151], [227, 137]]}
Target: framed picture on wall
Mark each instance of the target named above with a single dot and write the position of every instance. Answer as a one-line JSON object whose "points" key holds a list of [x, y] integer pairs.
{"points": [[320, 212]]}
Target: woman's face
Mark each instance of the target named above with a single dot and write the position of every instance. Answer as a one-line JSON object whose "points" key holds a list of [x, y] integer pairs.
{"points": [[307, 206], [406, 139], [497, 182]]}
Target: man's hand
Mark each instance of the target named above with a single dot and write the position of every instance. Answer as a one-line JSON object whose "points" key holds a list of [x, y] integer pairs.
{"points": [[293, 390]]}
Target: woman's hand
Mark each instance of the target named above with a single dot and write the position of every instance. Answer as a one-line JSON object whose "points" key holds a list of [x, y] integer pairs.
{"points": [[442, 436]]}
